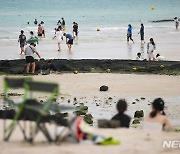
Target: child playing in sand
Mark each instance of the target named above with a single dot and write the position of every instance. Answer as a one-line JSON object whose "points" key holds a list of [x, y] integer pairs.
{"points": [[139, 56], [160, 58], [151, 46], [121, 117], [157, 118]]}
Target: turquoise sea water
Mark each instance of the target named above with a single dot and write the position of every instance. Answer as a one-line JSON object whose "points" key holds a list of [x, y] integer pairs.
{"points": [[112, 16], [87, 12]]}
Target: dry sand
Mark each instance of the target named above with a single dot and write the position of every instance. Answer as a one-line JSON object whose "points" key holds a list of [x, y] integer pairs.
{"points": [[85, 87]]}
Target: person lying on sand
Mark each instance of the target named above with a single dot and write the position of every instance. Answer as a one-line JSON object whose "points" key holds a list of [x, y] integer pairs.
{"points": [[157, 119]]}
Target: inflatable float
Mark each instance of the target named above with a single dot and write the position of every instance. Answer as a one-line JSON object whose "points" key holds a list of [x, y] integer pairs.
{"points": [[34, 40]]}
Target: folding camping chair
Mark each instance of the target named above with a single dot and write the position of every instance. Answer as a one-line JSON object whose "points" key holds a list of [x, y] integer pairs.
{"points": [[37, 111], [13, 83]]}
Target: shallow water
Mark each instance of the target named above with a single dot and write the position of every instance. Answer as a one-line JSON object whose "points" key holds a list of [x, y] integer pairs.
{"points": [[111, 16]]}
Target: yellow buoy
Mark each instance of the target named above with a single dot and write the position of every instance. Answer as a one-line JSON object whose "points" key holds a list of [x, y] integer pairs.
{"points": [[75, 72], [152, 7], [108, 70], [162, 66], [134, 68]]}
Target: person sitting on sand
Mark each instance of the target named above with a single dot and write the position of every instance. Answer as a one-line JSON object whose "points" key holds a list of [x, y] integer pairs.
{"points": [[151, 46], [29, 53], [157, 119], [51, 66], [159, 57], [139, 56], [69, 40], [121, 117], [22, 41]]}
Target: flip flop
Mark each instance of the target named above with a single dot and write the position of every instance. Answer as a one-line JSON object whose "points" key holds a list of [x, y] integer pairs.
{"points": [[109, 141]]}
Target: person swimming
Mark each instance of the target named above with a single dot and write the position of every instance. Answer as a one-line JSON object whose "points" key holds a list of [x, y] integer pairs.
{"points": [[35, 22]]}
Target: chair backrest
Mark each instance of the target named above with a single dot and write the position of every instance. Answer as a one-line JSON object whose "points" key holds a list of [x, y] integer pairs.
{"points": [[42, 87], [14, 83]]}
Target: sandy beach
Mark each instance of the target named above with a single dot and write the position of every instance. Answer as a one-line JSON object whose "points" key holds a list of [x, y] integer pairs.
{"points": [[85, 87]]}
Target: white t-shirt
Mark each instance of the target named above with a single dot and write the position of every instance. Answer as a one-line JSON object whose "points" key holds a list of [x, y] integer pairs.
{"points": [[30, 50], [160, 58], [59, 35]]}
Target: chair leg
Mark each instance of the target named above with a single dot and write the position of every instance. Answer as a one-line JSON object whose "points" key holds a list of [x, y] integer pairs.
{"points": [[22, 130], [45, 132], [6, 138]]}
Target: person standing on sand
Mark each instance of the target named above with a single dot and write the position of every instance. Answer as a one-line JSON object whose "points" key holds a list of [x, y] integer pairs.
{"points": [[22, 41], [176, 22], [141, 32], [129, 33], [40, 31], [151, 46], [29, 52], [69, 40], [59, 38]]}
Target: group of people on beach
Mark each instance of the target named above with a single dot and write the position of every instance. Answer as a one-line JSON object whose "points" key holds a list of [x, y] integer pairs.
{"points": [[151, 46], [33, 39]]}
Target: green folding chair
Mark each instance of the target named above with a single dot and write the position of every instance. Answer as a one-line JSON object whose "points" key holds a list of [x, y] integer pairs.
{"points": [[38, 112], [9, 84]]}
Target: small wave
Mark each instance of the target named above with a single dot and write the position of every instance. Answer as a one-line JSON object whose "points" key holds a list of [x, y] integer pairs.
{"points": [[4, 38], [111, 28]]}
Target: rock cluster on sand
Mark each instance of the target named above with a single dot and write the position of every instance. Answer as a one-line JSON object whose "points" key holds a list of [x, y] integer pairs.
{"points": [[82, 110], [138, 115]]}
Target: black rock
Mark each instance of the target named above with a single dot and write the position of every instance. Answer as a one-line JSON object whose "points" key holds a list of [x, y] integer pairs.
{"points": [[136, 121], [104, 88], [133, 102], [139, 114]]}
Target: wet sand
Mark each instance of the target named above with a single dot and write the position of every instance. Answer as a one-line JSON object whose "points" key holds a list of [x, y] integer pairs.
{"points": [[85, 87]]}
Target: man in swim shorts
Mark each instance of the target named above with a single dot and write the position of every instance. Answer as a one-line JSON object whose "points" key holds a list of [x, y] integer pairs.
{"points": [[29, 52]]}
